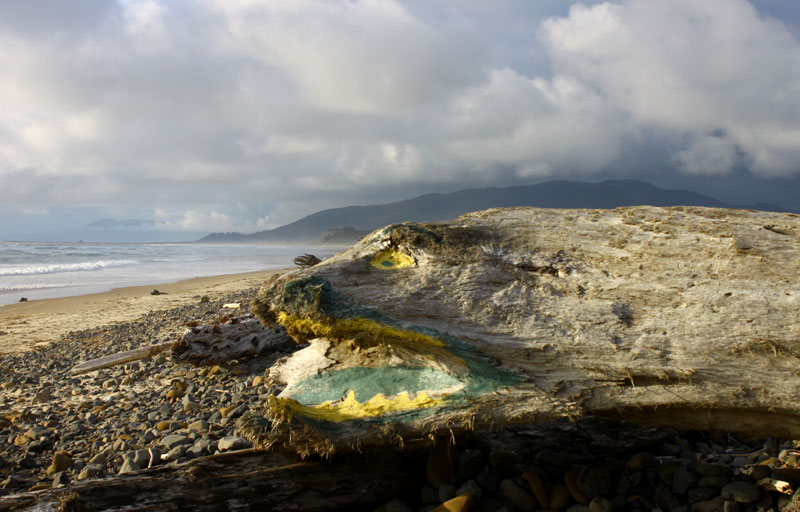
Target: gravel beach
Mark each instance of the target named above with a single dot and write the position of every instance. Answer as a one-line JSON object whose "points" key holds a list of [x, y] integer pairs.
{"points": [[56, 428]]}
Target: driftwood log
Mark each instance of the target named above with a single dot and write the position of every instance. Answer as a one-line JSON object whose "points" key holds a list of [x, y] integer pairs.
{"points": [[237, 338], [680, 317], [244, 480]]}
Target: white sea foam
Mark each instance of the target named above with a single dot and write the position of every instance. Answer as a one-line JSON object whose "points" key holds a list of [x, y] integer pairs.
{"points": [[65, 267], [32, 286]]}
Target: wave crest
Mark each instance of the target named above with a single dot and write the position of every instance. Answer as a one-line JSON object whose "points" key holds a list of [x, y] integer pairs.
{"points": [[65, 267]]}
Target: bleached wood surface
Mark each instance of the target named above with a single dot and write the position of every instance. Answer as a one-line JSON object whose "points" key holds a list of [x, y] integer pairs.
{"points": [[683, 317]]}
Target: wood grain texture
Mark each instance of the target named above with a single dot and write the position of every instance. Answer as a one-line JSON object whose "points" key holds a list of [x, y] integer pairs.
{"points": [[681, 317]]}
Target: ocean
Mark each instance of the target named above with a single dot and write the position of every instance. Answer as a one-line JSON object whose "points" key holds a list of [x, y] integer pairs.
{"points": [[46, 270]]}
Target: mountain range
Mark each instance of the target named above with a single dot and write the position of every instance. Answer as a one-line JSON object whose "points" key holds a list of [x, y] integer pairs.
{"points": [[329, 225]]}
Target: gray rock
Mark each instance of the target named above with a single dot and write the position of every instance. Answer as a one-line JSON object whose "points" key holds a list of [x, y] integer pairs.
{"points": [[139, 457], [199, 426], [742, 492], [171, 441], [175, 453], [128, 466], [60, 479], [100, 459], [517, 496], [155, 457], [233, 443]]}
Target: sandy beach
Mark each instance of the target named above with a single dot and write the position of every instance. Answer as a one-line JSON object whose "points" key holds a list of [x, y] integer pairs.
{"points": [[26, 325]]}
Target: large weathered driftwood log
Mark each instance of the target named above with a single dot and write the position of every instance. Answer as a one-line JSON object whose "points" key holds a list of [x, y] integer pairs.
{"points": [[683, 317], [235, 481]]}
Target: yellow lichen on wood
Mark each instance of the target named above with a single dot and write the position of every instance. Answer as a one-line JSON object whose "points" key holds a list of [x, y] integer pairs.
{"points": [[390, 259], [349, 408], [357, 329]]}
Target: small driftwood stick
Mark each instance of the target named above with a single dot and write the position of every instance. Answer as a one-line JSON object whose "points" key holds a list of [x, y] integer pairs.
{"points": [[122, 357]]}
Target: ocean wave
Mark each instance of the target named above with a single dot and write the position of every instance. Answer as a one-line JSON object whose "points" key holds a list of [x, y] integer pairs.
{"points": [[31, 287], [66, 267]]}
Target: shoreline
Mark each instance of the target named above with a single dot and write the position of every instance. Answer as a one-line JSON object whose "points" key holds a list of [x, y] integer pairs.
{"points": [[27, 325]]}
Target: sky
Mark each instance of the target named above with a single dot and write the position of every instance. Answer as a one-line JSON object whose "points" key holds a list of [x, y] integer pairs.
{"points": [[194, 116]]}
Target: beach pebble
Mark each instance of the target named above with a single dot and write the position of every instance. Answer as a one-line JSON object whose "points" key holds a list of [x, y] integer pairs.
{"points": [[171, 441], [99, 459], [128, 466], [42, 396], [517, 496], [61, 462], [60, 479], [233, 443], [741, 491]]}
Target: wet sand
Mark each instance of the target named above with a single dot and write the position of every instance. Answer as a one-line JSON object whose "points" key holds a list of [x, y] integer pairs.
{"points": [[26, 325]]}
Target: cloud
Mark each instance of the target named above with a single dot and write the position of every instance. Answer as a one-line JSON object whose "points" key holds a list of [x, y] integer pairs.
{"points": [[708, 155], [690, 68], [288, 107], [364, 57]]}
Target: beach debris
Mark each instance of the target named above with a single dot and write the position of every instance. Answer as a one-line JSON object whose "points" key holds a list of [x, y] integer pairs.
{"points": [[122, 357], [24, 299], [525, 315], [232, 305], [232, 338], [156, 292], [306, 260]]}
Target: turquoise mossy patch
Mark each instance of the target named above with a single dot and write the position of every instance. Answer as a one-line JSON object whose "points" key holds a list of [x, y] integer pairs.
{"points": [[367, 382]]}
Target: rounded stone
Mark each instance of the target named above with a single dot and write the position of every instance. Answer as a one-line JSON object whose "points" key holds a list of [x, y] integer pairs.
{"points": [[559, 497], [233, 443], [517, 496], [742, 492], [61, 462]]}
